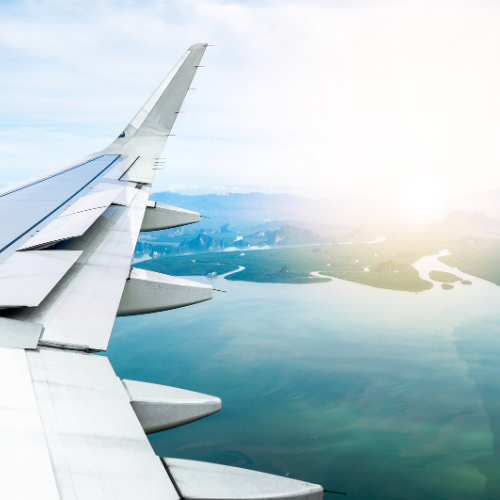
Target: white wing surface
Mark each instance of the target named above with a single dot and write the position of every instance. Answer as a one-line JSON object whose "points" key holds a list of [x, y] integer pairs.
{"points": [[69, 428]]}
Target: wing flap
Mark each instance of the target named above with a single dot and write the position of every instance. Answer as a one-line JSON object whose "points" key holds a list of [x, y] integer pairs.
{"points": [[29, 207], [101, 195], [96, 444], [74, 221], [81, 310], [127, 195], [26, 278], [25, 463], [19, 334]]}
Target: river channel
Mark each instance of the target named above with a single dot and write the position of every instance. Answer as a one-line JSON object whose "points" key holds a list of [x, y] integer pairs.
{"points": [[378, 393]]}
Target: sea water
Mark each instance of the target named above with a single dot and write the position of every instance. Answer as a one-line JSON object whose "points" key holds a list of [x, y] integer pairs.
{"points": [[377, 393]]}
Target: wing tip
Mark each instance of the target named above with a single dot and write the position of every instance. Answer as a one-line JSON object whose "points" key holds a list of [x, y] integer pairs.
{"points": [[197, 46]]}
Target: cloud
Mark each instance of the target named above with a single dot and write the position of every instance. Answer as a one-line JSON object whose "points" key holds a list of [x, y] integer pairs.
{"points": [[334, 96]]}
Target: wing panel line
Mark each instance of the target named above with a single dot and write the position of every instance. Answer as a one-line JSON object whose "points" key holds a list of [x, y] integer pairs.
{"points": [[25, 186], [62, 204]]}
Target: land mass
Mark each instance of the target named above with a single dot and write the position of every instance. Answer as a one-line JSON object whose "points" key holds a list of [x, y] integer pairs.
{"points": [[293, 253], [443, 277], [475, 256], [384, 265]]}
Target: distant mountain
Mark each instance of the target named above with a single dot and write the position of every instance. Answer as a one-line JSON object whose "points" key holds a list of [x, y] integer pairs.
{"points": [[286, 235], [202, 243], [463, 221], [290, 235], [259, 211], [241, 244], [257, 235], [226, 228], [487, 202], [260, 208]]}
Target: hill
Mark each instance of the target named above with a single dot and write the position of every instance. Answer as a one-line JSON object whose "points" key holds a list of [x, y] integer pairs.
{"points": [[290, 235], [487, 202], [202, 243], [463, 221]]}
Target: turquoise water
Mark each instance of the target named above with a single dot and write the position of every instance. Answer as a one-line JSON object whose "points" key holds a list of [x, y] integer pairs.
{"points": [[378, 393]]}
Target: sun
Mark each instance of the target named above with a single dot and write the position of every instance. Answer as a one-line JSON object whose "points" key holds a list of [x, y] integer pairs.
{"points": [[422, 200]]}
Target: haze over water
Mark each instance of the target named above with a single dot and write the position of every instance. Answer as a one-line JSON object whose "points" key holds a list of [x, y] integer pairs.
{"points": [[378, 393]]}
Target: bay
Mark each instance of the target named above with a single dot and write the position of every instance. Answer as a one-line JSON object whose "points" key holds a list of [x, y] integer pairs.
{"points": [[377, 393]]}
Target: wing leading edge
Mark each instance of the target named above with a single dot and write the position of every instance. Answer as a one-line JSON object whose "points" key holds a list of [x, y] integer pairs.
{"points": [[66, 246]]}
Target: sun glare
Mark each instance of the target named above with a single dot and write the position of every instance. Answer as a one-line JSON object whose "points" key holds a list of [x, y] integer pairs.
{"points": [[422, 200]]}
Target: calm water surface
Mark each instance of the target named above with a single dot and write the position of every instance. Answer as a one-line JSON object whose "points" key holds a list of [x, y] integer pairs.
{"points": [[378, 393]]}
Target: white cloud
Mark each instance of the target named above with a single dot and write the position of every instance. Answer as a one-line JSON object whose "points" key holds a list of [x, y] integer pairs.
{"points": [[355, 96]]}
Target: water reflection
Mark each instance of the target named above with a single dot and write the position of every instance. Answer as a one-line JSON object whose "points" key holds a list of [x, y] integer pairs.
{"points": [[379, 393]]}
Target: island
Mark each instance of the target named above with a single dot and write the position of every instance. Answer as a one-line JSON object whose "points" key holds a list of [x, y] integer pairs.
{"points": [[443, 277], [476, 257], [387, 264]]}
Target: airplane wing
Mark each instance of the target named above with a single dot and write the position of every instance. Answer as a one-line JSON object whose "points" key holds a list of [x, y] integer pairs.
{"points": [[69, 427]]}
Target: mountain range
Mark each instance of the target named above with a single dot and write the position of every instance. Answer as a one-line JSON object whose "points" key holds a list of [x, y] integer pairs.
{"points": [[270, 211]]}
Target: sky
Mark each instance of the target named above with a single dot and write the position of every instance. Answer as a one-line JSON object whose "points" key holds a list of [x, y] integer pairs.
{"points": [[315, 98]]}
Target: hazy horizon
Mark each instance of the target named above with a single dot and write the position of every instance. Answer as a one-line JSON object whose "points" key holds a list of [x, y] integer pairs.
{"points": [[323, 98], [311, 212]]}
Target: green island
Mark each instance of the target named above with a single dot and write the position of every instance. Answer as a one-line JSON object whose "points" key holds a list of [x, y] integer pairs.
{"points": [[384, 265], [466, 282], [443, 277], [408, 281], [284, 265], [475, 256], [447, 286]]}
